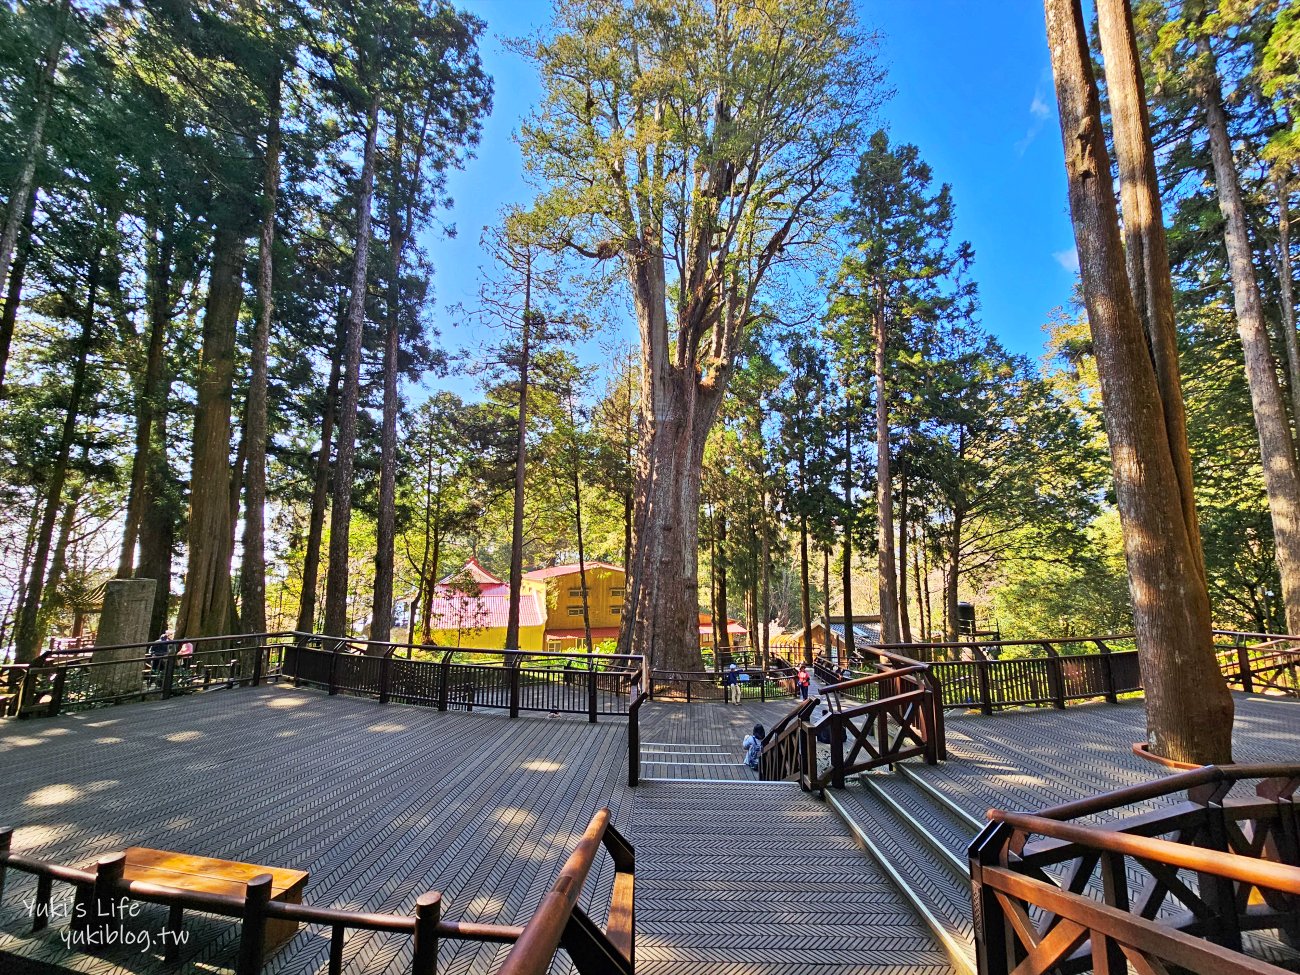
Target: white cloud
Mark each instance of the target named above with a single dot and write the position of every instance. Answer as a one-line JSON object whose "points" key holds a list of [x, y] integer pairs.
{"points": [[1068, 259], [1039, 112]]}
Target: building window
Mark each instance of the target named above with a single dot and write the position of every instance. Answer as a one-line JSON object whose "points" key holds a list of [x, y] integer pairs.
{"points": [[554, 646], [576, 592], [575, 610], [617, 592], [616, 609]]}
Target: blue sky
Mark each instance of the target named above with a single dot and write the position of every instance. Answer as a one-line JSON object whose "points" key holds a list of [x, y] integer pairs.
{"points": [[973, 91]]}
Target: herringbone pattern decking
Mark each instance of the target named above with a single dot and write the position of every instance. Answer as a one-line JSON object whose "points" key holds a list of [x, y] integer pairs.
{"points": [[383, 802]]}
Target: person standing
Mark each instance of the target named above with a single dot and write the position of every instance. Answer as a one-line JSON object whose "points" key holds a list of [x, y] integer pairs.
{"points": [[731, 681], [158, 650], [803, 680]]}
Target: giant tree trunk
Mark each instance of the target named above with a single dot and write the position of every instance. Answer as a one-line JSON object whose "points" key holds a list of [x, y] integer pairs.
{"points": [[319, 500], [723, 638], [1189, 711], [336, 579], [252, 575], [661, 617], [27, 629], [886, 565], [34, 143], [1277, 449], [521, 471], [205, 606]]}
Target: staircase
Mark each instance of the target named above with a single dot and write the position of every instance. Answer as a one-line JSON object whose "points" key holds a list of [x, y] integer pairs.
{"points": [[765, 879], [918, 837]]}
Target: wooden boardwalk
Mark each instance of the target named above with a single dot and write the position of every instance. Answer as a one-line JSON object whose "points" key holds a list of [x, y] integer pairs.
{"points": [[384, 802], [702, 741]]}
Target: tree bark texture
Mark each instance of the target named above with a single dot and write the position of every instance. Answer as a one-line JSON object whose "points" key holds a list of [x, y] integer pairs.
{"points": [[205, 605], [1189, 710], [904, 615], [252, 574], [1286, 294], [319, 502], [336, 579], [846, 568], [14, 292]]}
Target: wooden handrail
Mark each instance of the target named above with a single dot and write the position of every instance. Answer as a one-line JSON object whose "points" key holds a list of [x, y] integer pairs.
{"points": [[553, 919], [1261, 873], [1179, 782], [874, 678]]}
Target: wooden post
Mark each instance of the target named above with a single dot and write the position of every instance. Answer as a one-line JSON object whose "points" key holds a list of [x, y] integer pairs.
{"points": [[591, 693], [385, 677], [175, 924], [982, 675], [56, 698], [169, 675], [1055, 678], [338, 934], [258, 668], [1107, 671], [293, 658], [41, 909], [252, 935], [762, 687], [993, 935], [428, 912], [513, 664], [838, 733], [444, 674], [1243, 669], [108, 873], [6, 843], [334, 672], [633, 747]]}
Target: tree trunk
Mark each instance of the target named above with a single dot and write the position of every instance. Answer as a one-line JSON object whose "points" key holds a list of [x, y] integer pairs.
{"points": [[904, 616], [951, 578], [805, 595], [252, 575], [1189, 711], [885, 562], [723, 639], [336, 579], [1286, 288], [159, 286], [922, 586], [205, 605], [765, 577], [826, 598], [1277, 449], [577, 522], [14, 292], [1146, 251], [521, 470], [59, 556], [381, 615], [158, 520], [847, 566], [27, 631], [319, 499], [24, 186]]}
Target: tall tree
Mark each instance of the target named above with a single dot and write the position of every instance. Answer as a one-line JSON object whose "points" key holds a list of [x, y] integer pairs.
{"points": [[663, 147], [1189, 711]]}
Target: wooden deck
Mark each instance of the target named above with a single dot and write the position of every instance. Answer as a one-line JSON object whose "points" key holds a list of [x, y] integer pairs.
{"points": [[702, 741], [384, 802]]}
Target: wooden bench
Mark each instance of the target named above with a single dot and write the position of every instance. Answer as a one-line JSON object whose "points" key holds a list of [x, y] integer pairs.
{"points": [[185, 871]]}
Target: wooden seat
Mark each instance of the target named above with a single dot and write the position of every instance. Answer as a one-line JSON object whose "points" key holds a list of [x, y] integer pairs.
{"points": [[185, 871]]}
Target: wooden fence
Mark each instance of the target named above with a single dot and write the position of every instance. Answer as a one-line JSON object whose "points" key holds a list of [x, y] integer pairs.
{"points": [[1232, 867], [1053, 673], [558, 922]]}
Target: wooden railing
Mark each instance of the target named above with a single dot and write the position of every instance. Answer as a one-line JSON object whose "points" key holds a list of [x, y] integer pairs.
{"points": [[706, 686], [133, 673], [614, 947], [636, 697], [560, 923], [1054, 673], [784, 754], [514, 681], [1102, 897]]}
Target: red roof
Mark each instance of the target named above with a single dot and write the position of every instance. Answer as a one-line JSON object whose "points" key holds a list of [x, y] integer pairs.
{"points": [[706, 625], [597, 633], [570, 569], [456, 610], [474, 569]]}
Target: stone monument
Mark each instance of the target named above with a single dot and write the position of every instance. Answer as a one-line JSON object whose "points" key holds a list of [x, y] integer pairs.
{"points": [[128, 606]]}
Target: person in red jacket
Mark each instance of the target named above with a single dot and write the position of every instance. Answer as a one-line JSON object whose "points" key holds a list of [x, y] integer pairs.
{"points": [[803, 680]]}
